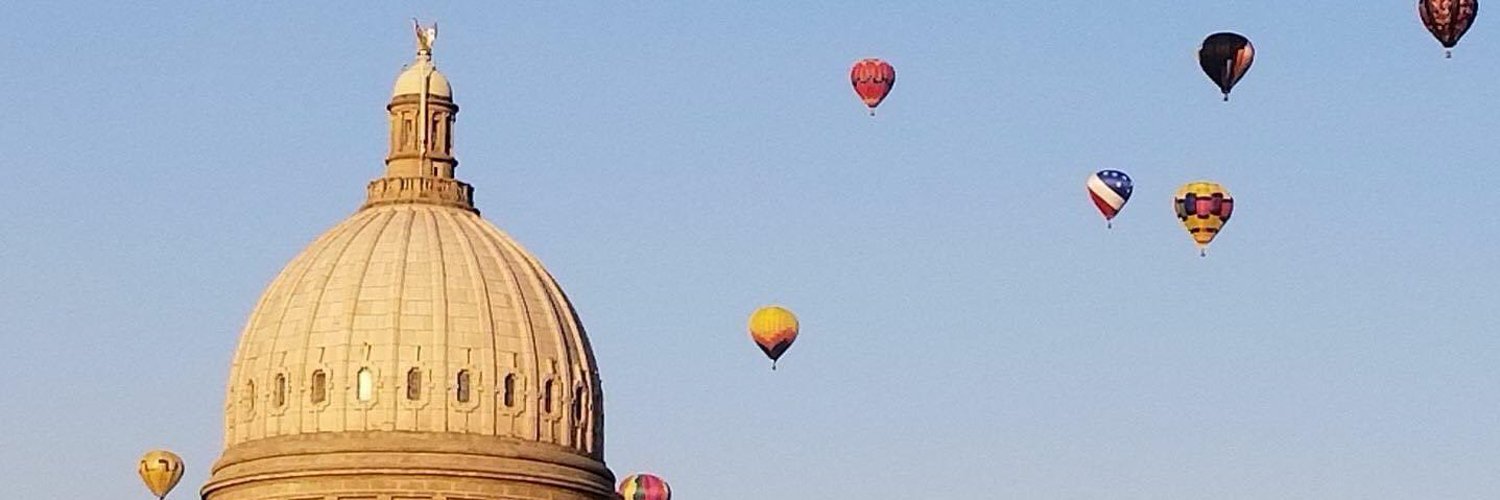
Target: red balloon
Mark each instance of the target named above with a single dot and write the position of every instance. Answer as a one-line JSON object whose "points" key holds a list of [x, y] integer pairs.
{"points": [[872, 79]]}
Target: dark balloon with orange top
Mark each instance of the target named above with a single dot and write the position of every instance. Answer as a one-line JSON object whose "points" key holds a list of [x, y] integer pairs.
{"points": [[1225, 57], [872, 79], [1448, 20]]}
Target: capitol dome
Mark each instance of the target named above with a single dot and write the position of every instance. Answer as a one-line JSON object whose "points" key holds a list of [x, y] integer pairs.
{"points": [[414, 350]]}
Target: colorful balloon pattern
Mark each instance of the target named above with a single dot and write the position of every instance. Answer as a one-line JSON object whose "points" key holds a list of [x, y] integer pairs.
{"points": [[1225, 58], [773, 328], [872, 79], [1448, 20], [1203, 207], [160, 470], [1110, 190], [644, 487]]}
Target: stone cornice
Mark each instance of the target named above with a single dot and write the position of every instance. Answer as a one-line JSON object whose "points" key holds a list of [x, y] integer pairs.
{"points": [[310, 457]]}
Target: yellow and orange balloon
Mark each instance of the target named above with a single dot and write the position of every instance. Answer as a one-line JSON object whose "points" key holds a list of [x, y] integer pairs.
{"points": [[1203, 207], [160, 470], [773, 328]]}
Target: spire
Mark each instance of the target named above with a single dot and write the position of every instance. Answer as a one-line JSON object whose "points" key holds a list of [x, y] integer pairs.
{"points": [[419, 166]]}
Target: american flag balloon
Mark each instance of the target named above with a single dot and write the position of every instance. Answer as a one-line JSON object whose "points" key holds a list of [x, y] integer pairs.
{"points": [[1110, 189]]}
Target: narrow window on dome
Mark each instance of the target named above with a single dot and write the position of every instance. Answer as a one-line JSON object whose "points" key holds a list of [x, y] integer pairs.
{"points": [[547, 398], [250, 395], [578, 405], [319, 387], [279, 400], [365, 385], [414, 384], [510, 390], [463, 386]]}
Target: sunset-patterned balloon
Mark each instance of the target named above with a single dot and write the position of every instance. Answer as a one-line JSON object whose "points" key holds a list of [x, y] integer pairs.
{"points": [[773, 328], [644, 487]]}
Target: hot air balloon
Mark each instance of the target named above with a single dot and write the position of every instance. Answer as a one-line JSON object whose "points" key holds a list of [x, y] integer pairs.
{"points": [[1448, 20], [160, 470], [644, 487], [872, 79], [1203, 207], [1225, 57], [773, 328], [1110, 189]]}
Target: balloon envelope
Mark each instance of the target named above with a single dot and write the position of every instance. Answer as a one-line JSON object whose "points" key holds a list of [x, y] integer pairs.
{"points": [[644, 487], [1448, 20], [160, 470], [773, 328], [1225, 57], [1110, 190], [872, 79], [1203, 207]]}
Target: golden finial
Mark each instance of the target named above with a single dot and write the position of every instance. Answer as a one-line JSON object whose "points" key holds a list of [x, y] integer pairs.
{"points": [[425, 36]]}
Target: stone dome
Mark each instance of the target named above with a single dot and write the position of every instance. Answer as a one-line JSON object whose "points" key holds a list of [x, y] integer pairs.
{"points": [[413, 351], [446, 321]]}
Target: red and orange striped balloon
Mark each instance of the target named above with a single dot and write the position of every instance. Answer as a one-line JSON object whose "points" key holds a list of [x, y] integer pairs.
{"points": [[872, 79], [644, 487]]}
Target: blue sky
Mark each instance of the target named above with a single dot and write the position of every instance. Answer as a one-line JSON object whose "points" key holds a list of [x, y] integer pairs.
{"points": [[970, 329]]}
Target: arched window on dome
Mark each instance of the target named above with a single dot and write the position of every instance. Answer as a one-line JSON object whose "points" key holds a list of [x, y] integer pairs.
{"points": [[510, 390], [580, 429], [463, 393], [414, 384], [578, 406], [547, 397], [364, 385], [319, 386], [250, 396], [279, 399]]}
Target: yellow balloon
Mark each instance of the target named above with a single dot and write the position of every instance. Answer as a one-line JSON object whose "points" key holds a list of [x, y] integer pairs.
{"points": [[1203, 207], [773, 328], [160, 470]]}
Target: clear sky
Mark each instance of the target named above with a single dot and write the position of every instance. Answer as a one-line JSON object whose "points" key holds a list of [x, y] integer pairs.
{"points": [[970, 328]]}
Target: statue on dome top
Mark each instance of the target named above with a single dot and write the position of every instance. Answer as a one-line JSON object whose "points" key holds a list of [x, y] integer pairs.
{"points": [[425, 36]]}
